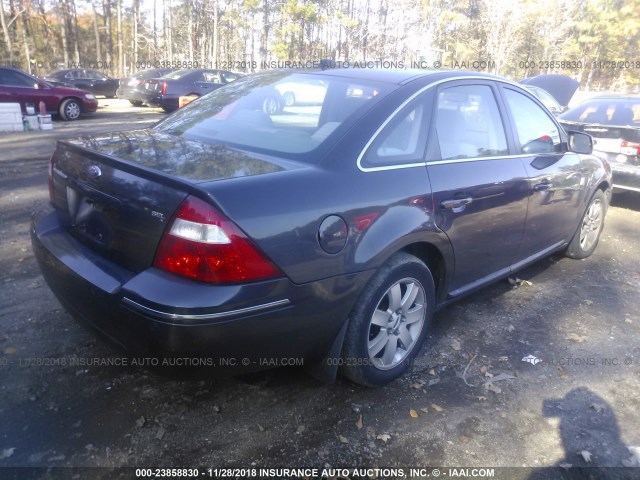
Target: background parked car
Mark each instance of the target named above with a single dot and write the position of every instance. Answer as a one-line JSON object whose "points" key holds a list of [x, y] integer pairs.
{"points": [[547, 99], [311, 92], [165, 92], [91, 80], [614, 124], [69, 103], [331, 232], [553, 90], [132, 88]]}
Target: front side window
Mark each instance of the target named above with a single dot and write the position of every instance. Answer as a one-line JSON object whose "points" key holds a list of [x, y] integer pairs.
{"points": [[468, 123], [251, 113], [14, 79], [537, 133]]}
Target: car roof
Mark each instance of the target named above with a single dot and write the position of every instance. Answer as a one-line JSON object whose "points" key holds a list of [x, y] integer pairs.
{"points": [[394, 76]]}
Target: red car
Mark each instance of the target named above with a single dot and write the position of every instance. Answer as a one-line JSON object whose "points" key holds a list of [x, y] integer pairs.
{"points": [[69, 103]]}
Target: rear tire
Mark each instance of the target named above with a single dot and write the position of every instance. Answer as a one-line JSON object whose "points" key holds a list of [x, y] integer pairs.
{"points": [[135, 103], [586, 238], [70, 109], [389, 322]]}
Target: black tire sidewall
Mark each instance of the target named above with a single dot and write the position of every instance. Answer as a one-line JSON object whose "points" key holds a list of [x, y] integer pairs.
{"points": [[356, 363], [63, 107], [574, 250]]}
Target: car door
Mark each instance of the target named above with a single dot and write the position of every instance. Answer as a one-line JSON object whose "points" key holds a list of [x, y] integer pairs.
{"points": [[210, 80], [479, 190], [555, 178]]}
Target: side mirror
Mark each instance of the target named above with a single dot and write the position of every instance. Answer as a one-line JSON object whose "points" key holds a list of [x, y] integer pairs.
{"points": [[580, 142]]}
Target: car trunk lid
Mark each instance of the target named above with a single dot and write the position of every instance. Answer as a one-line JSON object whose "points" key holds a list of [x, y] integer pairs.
{"points": [[117, 192]]}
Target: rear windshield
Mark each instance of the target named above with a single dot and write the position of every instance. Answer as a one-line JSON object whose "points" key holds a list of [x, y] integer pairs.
{"points": [[178, 74], [606, 111], [279, 113]]}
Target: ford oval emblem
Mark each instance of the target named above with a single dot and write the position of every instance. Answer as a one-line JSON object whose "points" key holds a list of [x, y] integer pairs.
{"points": [[94, 172]]}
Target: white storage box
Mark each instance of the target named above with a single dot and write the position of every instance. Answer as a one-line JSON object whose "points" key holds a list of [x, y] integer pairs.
{"points": [[45, 122], [10, 117]]}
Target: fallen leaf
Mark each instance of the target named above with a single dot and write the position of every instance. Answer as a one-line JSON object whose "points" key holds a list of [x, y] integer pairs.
{"points": [[413, 413], [418, 385], [260, 427], [586, 455], [437, 408], [456, 345], [300, 429], [503, 414], [510, 328], [503, 358], [502, 376], [484, 369], [385, 437], [343, 439], [432, 372], [160, 433], [9, 351], [464, 439], [424, 410], [634, 459], [216, 408], [576, 338], [7, 452], [598, 407], [140, 422], [566, 466], [359, 422], [589, 302], [481, 398], [492, 388], [563, 373]]}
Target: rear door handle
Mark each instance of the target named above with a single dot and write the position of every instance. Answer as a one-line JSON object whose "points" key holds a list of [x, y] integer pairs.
{"points": [[456, 202]]}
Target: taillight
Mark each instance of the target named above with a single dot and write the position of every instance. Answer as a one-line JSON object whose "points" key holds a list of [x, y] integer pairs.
{"points": [[203, 244], [164, 87], [630, 148], [52, 196]]}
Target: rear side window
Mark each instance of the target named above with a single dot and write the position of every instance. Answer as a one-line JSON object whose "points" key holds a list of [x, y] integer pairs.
{"points": [[537, 133], [403, 141], [606, 112], [468, 123]]}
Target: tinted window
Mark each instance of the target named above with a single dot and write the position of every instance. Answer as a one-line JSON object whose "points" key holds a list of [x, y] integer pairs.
{"points": [[178, 74], [74, 74], [211, 77], [468, 123], [249, 113], [606, 111], [14, 79], [95, 74], [403, 140], [537, 133]]}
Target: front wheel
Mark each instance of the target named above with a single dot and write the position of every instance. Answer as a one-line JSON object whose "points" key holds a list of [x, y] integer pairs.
{"points": [[389, 322], [70, 109], [585, 240]]}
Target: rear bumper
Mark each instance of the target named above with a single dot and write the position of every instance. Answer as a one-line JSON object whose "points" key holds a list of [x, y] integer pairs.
{"points": [[167, 102], [161, 315], [130, 94]]}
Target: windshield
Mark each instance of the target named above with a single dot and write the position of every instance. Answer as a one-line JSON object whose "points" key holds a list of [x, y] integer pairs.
{"points": [[606, 111], [275, 112]]}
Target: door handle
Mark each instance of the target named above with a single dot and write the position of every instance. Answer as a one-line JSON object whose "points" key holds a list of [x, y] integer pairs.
{"points": [[456, 202], [546, 185]]}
